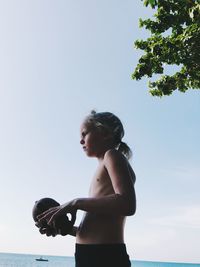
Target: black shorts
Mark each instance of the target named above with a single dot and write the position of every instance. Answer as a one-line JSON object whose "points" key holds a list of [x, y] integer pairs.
{"points": [[101, 255]]}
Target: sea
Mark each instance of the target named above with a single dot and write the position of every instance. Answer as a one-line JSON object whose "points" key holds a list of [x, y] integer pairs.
{"points": [[27, 260]]}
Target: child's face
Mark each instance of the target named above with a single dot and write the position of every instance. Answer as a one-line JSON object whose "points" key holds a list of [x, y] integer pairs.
{"points": [[92, 140]]}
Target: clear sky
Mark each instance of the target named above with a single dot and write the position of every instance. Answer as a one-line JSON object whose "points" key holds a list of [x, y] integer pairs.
{"points": [[58, 60]]}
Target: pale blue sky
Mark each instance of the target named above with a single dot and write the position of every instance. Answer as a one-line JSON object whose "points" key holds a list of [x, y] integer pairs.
{"points": [[58, 60]]}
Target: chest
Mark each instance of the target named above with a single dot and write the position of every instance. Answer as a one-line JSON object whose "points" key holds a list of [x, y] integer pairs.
{"points": [[101, 184]]}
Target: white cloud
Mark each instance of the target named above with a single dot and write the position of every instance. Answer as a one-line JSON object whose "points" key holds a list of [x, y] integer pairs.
{"points": [[182, 173], [3, 229], [187, 216]]}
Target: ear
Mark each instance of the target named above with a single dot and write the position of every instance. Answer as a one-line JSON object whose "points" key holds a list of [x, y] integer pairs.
{"points": [[106, 135]]}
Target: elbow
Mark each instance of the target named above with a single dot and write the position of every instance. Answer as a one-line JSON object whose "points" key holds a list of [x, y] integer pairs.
{"points": [[131, 211], [130, 208]]}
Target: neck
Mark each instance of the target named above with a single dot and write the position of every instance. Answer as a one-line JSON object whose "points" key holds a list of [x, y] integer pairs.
{"points": [[101, 154]]}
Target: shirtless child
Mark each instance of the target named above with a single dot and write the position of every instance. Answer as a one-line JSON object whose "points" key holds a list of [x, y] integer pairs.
{"points": [[100, 236]]}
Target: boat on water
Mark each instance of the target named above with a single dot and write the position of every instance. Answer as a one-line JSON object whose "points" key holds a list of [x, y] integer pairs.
{"points": [[41, 259]]}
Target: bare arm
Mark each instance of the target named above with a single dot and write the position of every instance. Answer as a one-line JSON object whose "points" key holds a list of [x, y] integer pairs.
{"points": [[112, 204]]}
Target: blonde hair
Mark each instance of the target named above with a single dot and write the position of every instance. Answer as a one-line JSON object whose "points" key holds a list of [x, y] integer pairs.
{"points": [[113, 125]]}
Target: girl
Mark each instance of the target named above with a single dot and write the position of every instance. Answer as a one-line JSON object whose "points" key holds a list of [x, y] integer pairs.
{"points": [[100, 236]]}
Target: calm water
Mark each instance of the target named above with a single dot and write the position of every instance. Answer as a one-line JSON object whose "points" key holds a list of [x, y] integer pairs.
{"points": [[25, 260]]}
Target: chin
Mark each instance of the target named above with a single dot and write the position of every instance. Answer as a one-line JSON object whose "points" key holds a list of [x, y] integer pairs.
{"points": [[90, 155]]}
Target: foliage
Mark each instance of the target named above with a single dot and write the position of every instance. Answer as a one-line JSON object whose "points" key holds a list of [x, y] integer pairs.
{"points": [[174, 40]]}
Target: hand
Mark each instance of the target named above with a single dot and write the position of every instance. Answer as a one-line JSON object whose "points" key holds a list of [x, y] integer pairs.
{"points": [[51, 214], [46, 229]]}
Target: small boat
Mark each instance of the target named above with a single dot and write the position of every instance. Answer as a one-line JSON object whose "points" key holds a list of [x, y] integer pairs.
{"points": [[41, 259]]}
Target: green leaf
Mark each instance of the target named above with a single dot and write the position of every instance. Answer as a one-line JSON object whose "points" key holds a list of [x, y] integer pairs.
{"points": [[174, 40]]}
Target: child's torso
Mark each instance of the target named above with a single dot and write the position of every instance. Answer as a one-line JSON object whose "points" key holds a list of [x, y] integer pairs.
{"points": [[98, 228]]}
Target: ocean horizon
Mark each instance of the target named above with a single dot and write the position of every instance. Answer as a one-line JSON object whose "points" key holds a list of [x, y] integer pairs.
{"points": [[29, 260]]}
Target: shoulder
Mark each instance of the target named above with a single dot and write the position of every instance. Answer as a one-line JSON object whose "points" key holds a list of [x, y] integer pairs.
{"points": [[115, 156], [114, 159]]}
